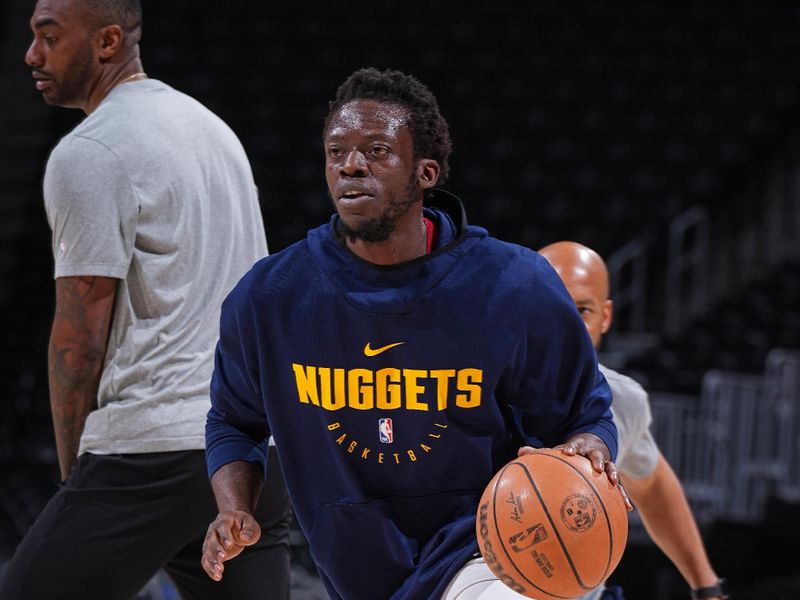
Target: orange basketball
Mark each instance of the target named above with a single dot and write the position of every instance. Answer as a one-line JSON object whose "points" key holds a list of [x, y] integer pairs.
{"points": [[550, 527]]}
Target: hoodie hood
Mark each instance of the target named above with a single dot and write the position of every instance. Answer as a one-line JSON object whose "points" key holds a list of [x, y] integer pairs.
{"points": [[396, 289]]}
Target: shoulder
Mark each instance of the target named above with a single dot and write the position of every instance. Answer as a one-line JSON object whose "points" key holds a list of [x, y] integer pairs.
{"points": [[276, 278], [519, 263], [529, 275], [628, 394], [638, 451], [150, 112], [526, 283], [79, 164], [622, 381], [98, 137], [73, 146]]}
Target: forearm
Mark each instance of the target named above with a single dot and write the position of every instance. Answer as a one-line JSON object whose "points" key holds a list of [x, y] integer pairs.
{"points": [[76, 352], [669, 521], [73, 395], [237, 486]]}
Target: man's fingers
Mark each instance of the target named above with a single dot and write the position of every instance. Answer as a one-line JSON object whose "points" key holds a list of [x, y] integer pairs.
{"points": [[247, 531], [598, 460], [246, 536], [213, 554], [225, 539], [628, 503], [590, 446], [212, 568], [580, 446]]}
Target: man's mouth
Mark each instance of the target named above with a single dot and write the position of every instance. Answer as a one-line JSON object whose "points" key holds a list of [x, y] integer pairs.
{"points": [[42, 80], [349, 196], [352, 194]]}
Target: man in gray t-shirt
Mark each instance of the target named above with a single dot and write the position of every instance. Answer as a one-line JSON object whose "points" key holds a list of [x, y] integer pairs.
{"points": [[649, 480], [155, 216]]}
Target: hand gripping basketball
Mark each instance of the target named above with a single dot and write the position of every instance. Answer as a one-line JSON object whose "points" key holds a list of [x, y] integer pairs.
{"points": [[551, 527]]}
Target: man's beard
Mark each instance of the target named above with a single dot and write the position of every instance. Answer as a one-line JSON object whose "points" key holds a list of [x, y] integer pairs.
{"points": [[72, 85], [381, 228]]}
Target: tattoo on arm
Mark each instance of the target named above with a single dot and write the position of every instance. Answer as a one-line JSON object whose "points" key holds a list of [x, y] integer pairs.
{"points": [[76, 352]]}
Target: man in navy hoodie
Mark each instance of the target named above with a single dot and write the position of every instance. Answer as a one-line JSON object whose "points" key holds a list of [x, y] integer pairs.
{"points": [[399, 357]]}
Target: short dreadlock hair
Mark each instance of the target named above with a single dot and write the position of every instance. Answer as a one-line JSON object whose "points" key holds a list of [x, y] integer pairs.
{"points": [[429, 129]]}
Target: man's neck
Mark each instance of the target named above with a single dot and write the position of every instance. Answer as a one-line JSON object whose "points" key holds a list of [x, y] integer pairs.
{"points": [[130, 70]]}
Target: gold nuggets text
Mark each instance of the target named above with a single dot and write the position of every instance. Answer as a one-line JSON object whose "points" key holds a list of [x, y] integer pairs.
{"points": [[388, 388]]}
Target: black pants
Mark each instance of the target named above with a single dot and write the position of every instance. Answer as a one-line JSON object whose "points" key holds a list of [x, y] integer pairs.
{"points": [[118, 519]]}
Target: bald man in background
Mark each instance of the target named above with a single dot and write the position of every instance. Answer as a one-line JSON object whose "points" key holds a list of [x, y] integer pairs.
{"points": [[649, 480]]}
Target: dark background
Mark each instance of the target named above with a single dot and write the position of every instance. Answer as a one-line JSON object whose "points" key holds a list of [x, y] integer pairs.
{"points": [[600, 122]]}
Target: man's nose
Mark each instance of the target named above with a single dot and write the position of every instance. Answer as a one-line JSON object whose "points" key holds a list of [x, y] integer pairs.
{"points": [[355, 163], [33, 56]]}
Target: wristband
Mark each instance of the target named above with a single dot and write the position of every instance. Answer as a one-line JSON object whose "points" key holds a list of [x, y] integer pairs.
{"points": [[712, 591]]}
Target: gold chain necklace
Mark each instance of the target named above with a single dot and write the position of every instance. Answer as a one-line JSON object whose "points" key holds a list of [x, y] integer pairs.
{"points": [[133, 77]]}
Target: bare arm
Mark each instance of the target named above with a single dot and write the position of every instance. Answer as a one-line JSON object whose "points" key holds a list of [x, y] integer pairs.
{"points": [[668, 519], [76, 351], [237, 486]]}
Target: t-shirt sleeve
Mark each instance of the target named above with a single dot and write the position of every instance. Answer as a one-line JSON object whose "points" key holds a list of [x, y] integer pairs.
{"points": [[638, 451], [236, 426], [92, 208], [557, 389]]}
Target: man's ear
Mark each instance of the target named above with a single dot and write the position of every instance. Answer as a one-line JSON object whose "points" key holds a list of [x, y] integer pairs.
{"points": [[427, 173], [608, 316], [110, 40]]}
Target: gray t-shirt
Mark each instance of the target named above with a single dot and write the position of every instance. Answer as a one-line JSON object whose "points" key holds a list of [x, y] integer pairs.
{"points": [[155, 190], [638, 453]]}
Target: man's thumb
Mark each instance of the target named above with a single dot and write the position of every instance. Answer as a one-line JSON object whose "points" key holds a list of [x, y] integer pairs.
{"points": [[247, 535]]}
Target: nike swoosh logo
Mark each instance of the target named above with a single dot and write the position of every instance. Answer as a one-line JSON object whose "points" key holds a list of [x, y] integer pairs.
{"points": [[368, 351]]}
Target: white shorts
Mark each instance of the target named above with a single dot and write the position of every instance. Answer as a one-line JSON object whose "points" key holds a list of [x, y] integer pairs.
{"points": [[475, 581]]}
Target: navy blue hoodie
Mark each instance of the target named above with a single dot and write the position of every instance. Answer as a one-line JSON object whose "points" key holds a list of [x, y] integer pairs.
{"points": [[394, 393]]}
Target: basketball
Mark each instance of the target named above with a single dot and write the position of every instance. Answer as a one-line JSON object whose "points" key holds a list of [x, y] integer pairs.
{"points": [[550, 527]]}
